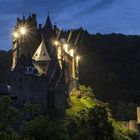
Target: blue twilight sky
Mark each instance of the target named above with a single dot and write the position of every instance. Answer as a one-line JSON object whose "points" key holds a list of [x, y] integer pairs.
{"points": [[104, 16]]}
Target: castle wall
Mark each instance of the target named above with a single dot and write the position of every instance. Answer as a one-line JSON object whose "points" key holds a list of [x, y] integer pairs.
{"points": [[131, 125], [138, 115], [59, 102], [28, 89]]}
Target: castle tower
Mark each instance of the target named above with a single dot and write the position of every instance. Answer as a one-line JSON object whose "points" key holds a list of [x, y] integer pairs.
{"points": [[48, 28], [26, 86], [14, 53], [41, 58], [48, 24], [27, 41]]}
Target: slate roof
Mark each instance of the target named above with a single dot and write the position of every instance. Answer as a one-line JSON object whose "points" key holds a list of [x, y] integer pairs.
{"points": [[41, 53]]}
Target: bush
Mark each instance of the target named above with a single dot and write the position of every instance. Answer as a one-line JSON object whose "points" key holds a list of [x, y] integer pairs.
{"points": [[86, 91]]}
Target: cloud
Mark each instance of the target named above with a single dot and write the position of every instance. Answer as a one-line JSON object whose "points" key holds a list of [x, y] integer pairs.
{"points": [[96, 7]]}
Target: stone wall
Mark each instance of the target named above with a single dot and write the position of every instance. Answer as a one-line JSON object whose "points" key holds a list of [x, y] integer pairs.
{"points": [[28, 89]]}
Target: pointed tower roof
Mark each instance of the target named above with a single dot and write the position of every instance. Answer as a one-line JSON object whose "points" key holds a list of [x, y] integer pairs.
{"points": [[41, 53], [48, 22]]}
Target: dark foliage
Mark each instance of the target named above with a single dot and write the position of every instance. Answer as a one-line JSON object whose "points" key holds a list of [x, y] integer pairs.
{"points": [[5, 66]]}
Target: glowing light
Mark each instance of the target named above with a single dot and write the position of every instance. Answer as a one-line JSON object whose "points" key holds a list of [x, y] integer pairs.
{"points": [[15, 34], [77, 58], [56, 42], [23, 30], [71, 52], [66, 47], [59, 55]]}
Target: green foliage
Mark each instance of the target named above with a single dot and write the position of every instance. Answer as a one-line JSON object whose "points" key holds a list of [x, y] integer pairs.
{"points": [[8, 115], [9, 135], [91, 125], [91, 120], [86, 91], [88, 120], [33, 109], [85, 119], [100, 126], [42, 128], [79, 104], [122, 133]]}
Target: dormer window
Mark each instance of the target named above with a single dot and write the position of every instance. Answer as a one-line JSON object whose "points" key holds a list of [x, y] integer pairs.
{"points": [[29, 70]]}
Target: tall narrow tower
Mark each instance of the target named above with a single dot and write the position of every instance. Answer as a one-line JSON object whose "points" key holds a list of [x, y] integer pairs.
{"points": [[15, 51], [48, 28]]}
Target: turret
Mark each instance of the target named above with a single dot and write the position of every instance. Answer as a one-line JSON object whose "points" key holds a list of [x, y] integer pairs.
{"points": [[48, 28], [41, 58], [48, 24]]}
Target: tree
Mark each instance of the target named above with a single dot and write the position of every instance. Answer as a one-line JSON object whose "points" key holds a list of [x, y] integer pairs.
{"points": [[8, 116], [100, 126], [86, 91], [42, 128]]}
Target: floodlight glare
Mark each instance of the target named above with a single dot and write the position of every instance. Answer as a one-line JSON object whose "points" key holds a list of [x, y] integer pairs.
{"points": [[15, 34], [71, 52], [66, 47], [77, 57], [22, 30], [56, 42]]}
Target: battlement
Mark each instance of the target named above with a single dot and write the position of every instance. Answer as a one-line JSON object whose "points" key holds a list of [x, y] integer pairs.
{"points": [[31, 20]]}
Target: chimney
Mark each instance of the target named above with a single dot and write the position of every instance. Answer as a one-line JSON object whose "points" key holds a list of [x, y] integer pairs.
{"points": [[34, 16]]}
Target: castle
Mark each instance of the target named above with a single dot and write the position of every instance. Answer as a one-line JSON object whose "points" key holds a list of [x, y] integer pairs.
{"points": [[44, 68]]}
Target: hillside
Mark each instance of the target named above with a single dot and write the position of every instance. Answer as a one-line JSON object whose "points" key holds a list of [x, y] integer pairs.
{"points": [[85, 118]]}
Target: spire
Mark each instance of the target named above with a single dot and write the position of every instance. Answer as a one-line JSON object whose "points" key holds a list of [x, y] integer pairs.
{"points": [[41, 53], [23, 17], [48, 23]]}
